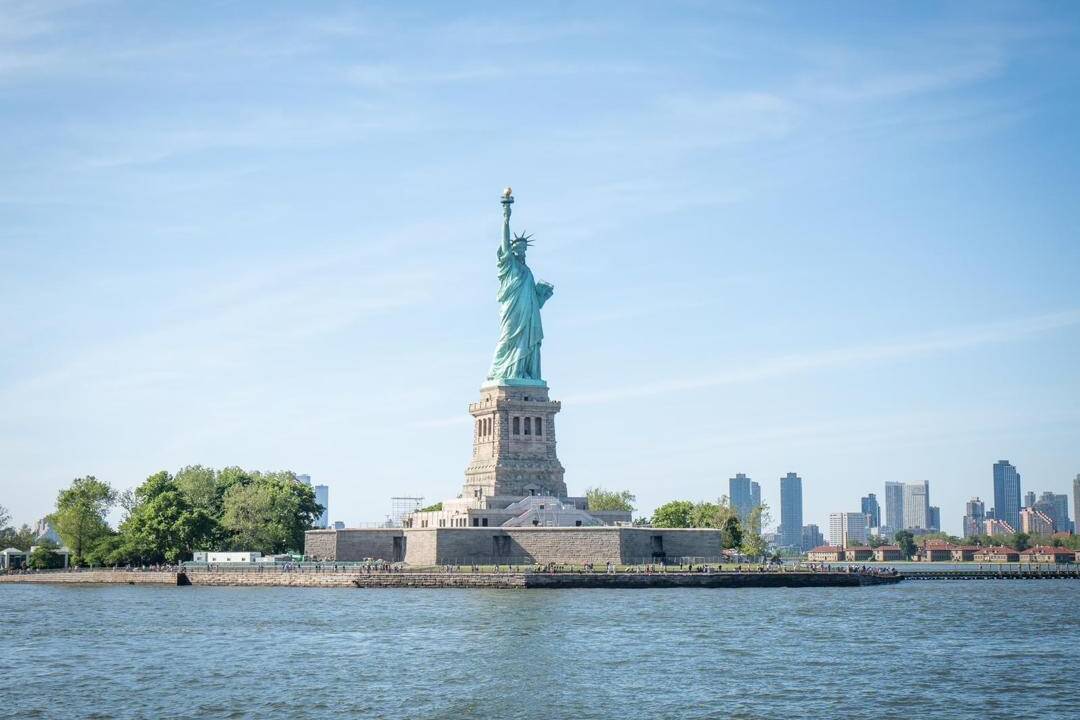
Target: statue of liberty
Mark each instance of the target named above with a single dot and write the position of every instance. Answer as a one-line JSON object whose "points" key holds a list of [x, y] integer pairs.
{"points": [[517, 356]]}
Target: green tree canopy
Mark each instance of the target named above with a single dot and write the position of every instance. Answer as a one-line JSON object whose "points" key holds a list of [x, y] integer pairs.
{"points": [[601, 499], [906, 540], [168, 517], [673, 514], [80, 514], [436, 507], [202, 487], [269, 514], [164, 526], [731, 533], [45, 557], [20, 539], [753, 542], [1021, 541]]}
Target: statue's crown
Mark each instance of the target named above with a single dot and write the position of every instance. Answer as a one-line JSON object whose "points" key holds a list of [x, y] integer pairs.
{"points": [[523, 238]]}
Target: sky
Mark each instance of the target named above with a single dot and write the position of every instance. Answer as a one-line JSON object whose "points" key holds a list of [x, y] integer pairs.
{"points": [[841, 240]]}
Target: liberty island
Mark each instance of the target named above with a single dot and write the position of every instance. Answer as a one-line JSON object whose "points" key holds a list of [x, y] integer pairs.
{"points": [[514, 506]]}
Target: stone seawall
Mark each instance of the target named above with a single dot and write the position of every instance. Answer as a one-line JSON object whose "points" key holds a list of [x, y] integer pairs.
{"points": [[520, 580], [507, 580], [109, 577], [364, 580], [703, 580]]}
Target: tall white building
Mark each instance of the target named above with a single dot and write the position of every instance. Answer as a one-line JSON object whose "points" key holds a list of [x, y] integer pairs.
{"points": [[894, 506], [847, 528], [917, 506]]}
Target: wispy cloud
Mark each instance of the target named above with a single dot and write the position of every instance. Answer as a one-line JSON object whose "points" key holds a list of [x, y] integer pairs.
{"points": [[787, 365]]}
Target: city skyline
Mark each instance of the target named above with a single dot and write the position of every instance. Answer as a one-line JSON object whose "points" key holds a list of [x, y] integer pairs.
{"points": [[267, 242]]}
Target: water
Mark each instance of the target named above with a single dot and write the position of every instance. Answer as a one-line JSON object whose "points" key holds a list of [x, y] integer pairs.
{"points": [[934, 649]]}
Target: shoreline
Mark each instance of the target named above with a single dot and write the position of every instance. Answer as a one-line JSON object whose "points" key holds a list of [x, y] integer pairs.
{"points": [[462, 580]]}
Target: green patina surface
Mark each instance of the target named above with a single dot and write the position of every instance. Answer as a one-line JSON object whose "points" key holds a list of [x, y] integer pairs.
{"points": [[517, 354]]}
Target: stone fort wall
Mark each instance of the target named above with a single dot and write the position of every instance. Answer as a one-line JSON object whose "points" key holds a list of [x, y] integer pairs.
{"points": [[425, 547], [357, 544]]}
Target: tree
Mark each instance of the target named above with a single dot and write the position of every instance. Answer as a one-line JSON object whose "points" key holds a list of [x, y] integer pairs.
{"points": [[1021, 541], [45, 557], [940, 537], [906, 540], [80, 514], [431, 508], [706, 514], [753, 542], [876, 541], [163, 526], [673, 514], [731, 534], [269, 514], [203, 487], [20, 539], [601, 499]]}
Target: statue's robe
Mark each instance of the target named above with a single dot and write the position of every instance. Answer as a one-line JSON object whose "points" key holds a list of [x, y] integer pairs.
{"points": [[520, 332]]}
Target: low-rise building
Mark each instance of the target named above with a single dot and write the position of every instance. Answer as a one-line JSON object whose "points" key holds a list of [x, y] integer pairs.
{"points": [[213, 556], [996, 555], [858, 554], [826, 553], [12, 559], [936, 551], [964, 553], [1046, 554], [888, 553]]}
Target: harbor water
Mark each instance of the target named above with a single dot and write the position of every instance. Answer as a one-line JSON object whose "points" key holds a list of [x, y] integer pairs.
{"points": [[932, 649]]}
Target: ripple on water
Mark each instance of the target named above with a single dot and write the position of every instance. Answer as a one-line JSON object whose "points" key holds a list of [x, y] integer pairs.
{"points": [[917, 650]]}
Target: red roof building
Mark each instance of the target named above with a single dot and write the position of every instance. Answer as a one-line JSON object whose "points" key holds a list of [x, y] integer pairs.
{"points": [[936, 551], [858, 554], [996, 554], [826, 553], [1046, 554], [888, 553], [964, 553]]}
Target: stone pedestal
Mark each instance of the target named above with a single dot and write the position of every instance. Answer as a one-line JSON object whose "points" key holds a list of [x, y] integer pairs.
{"points": [[513, 445]]}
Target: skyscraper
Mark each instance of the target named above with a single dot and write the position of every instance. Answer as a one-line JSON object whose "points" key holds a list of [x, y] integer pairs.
{"points": [[917, 506], [847, 528], [1057, 507], [741, 494], [755, 495], [872, 510], [1035, 522], [1029, 499], [974, 514], [322, 496], [934, 524], [791, 510], [811, 537], [894, 506], [1007, 493], [1076, 503]]}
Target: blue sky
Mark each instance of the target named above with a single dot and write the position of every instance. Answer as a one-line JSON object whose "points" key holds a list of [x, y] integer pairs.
{"points": [[838, 240]]}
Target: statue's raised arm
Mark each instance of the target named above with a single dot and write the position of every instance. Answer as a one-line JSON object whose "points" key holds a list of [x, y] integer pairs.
{"points": [[508, 201], [517, 355]]}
